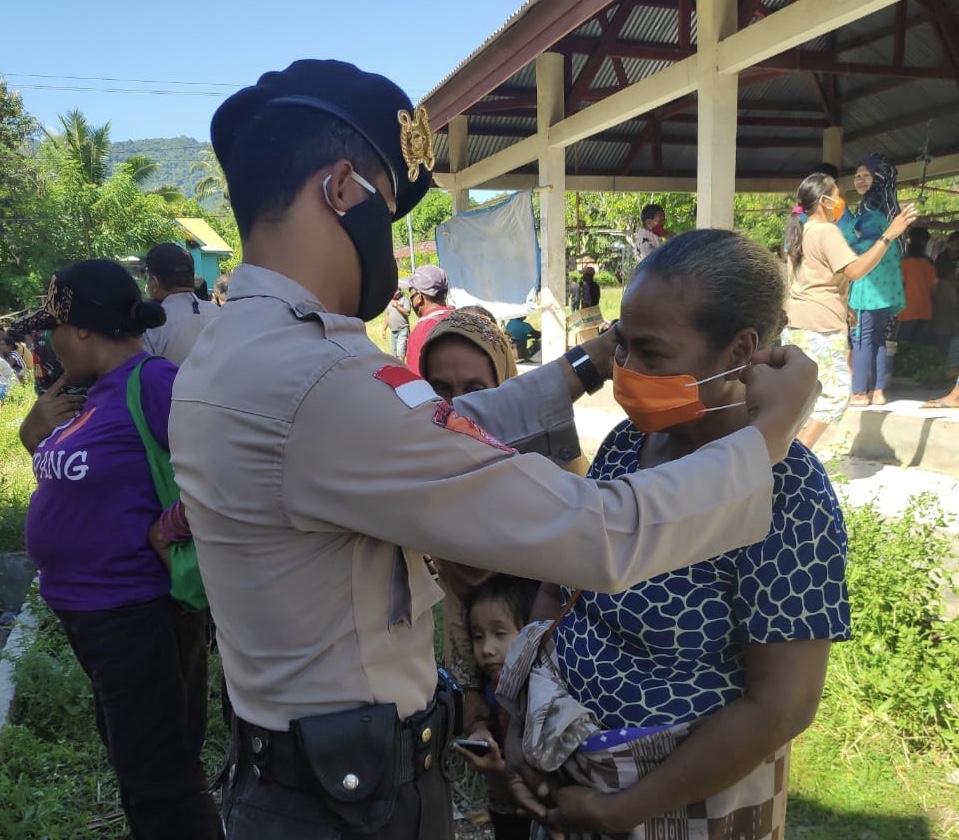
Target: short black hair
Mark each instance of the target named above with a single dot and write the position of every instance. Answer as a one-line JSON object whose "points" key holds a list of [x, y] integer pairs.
{"points": [[517, 593], [273, 158], [738, 284], [650, 211]]}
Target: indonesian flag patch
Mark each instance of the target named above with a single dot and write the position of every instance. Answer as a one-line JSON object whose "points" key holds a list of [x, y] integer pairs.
{"points": [[409, 387], [446, 418]]}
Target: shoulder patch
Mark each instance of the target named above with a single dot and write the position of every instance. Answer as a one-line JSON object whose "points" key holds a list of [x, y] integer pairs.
{"points": [[446, 418], [409, 387]]}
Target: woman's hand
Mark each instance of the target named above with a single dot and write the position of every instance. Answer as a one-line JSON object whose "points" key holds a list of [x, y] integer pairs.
{"points": [[159, 543], [580, 808], [53, 408], [897, 227]]}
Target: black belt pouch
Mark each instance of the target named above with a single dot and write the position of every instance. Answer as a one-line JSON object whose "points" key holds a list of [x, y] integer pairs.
{"points": [[353, 757]]}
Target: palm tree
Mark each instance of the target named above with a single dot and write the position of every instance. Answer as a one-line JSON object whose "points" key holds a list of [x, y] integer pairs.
{"points": [[88, 147], [139, 168], [212, 184]]}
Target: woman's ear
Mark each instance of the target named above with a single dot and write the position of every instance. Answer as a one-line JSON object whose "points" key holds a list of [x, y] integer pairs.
{"points": [[741, 349]]}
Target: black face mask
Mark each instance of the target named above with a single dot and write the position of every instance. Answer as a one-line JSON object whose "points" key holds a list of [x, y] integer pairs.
{"points": [[369, 227]]}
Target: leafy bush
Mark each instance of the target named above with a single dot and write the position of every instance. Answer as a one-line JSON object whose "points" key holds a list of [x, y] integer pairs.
{"points": [[920, 362], [902, 663]]}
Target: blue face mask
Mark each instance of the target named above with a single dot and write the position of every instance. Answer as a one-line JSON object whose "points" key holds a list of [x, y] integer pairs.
{"points": [[369, 227]]}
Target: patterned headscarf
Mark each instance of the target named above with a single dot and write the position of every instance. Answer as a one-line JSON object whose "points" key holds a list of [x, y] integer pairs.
{"points": [[479, 331], [882, 193]]}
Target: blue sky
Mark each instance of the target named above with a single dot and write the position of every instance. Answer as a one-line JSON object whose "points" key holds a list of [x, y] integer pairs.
{"points": [[219, 47]]}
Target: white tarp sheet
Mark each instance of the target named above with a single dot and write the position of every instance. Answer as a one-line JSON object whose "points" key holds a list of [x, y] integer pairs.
{"points": [[491, 256]]}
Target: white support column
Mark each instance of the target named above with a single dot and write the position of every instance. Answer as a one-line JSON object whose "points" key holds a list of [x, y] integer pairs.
{"points": [[459, 160], [552, 205], [832, 146], [718, 117]]}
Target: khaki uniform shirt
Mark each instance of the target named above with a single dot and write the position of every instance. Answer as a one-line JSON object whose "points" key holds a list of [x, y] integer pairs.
{"points": [[186, 316], [819, 292], [313, 490]]}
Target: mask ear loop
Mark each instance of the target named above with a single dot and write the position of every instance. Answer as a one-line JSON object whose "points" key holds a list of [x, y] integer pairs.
{"points": [[717, 376]]}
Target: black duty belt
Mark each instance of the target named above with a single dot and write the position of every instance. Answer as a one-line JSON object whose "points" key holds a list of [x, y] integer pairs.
{"points": [[275, 756]]}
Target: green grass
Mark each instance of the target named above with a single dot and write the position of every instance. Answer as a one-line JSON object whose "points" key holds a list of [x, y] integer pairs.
{"points": [[16, 475]]}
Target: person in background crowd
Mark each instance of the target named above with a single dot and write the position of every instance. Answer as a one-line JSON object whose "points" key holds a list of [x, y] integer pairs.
{"points": [[398, 323], [591, 290], [878, 296], [652, 231], [8, 348], [428, 287], [221, 289], [169, 269], [919, 280], [92, 527], [945, 304], [24, 346], [821, 267], [705, 673], [307, 493], [8, 378], [200, 288], [525, 339], [574, 292]]}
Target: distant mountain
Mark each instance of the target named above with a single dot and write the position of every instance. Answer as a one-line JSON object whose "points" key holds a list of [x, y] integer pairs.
{"points": [[173, 156]]}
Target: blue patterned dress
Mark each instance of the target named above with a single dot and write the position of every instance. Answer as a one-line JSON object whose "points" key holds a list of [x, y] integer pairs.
{"points": [[672, 649]]}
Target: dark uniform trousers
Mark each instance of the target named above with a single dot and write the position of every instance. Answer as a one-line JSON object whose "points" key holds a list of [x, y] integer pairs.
{"points": [[264, 797]]}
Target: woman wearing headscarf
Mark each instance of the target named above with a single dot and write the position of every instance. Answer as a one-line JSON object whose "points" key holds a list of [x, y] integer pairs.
{"points": [[464, 353], [821, 268], [879, 295]]}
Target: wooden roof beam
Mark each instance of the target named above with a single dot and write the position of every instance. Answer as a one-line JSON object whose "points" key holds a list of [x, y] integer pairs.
{"points": [[541, 26], [612, 27], [637, 50], [819, 62]]}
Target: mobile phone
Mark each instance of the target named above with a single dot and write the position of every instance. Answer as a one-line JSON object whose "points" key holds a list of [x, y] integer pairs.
{"points": [[478, 748]]}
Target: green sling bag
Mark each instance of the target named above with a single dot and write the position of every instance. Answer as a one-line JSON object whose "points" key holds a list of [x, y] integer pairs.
{"points": [[186, 585]]}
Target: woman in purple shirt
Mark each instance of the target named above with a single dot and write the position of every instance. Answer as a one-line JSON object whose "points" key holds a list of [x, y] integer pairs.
{"points": [[89, 532]]}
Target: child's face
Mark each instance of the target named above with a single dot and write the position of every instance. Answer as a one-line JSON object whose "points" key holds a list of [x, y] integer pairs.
{"points": [[493, 630]]}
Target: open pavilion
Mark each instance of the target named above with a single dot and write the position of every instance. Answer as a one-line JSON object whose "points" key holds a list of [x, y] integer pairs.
{"points": [[705, 96]]}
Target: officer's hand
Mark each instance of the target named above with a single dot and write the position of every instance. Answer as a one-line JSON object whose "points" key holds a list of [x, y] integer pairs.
{"points": [[52, 408], [601, 350], [782, 385]]}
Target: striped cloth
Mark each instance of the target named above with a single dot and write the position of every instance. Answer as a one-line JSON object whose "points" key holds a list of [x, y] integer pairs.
{"points": [[563, 738]]}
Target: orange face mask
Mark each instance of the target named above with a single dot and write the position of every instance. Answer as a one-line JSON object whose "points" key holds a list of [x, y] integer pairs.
{"points": [[654, 403], [837, 208]]}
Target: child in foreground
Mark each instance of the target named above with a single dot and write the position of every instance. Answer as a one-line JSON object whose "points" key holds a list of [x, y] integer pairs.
{"points": [[496, 611]]}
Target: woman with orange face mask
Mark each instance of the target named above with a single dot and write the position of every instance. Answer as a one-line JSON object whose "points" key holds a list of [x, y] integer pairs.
{"points": [[702, 676], [821, 268]]}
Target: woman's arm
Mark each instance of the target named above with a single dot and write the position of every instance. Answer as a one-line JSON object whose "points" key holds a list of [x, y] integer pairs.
{"points": [[866, 262], [784, 682]]}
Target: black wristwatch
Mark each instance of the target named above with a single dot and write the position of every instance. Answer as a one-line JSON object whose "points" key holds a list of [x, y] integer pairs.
{"points": [[584, 368]]}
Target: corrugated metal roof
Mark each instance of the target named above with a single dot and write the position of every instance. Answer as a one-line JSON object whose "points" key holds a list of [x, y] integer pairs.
{"points": [[888, 118]]}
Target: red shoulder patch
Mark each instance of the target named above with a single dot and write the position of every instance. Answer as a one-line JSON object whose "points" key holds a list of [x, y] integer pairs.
{"points": [[409, 387], [446, 418]]}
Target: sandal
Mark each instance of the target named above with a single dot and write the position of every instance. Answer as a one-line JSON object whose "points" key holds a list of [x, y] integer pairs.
{"points": [[938, 404]]}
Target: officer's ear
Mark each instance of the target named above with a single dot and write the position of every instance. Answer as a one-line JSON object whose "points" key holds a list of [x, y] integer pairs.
{"points": [[338, 185]]}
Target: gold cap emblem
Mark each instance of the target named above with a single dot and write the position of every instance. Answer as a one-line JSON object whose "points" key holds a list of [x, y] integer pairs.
{"points": [[416, 141]]}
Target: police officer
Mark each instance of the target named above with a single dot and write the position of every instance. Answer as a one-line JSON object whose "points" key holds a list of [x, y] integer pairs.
{"points": [[314, 488], [170, 280]]}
